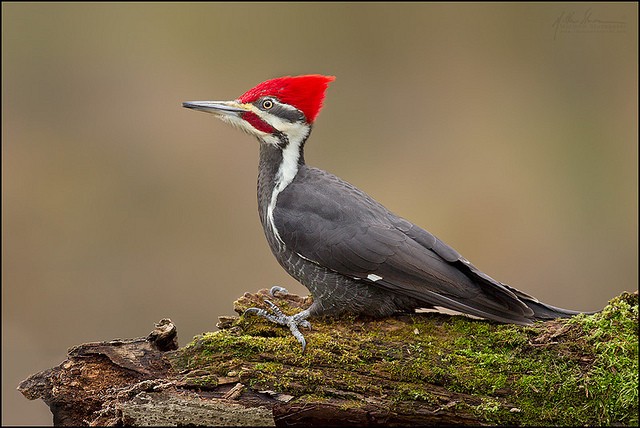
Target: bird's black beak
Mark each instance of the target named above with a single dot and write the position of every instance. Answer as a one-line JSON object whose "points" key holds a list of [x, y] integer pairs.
{"points": [[221, 108]]}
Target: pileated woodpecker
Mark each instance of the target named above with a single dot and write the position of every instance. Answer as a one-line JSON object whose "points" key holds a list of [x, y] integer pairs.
{"points": [[352, 253]]}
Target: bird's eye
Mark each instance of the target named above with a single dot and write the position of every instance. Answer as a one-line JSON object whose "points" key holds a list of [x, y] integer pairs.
{"points": [[267, 104]]}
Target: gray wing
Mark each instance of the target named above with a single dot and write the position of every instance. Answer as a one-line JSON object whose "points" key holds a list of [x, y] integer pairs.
{"points": [[346, 231]]}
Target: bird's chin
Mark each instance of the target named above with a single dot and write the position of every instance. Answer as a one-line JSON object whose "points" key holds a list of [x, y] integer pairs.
{"points": [[239, 123]]}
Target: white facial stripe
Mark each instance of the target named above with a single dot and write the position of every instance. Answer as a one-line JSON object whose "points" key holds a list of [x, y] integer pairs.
{"points": [[295, 131], [289, 167]]}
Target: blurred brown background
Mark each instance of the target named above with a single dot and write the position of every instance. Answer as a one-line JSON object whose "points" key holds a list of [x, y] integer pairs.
{"points": [[508, 130]]}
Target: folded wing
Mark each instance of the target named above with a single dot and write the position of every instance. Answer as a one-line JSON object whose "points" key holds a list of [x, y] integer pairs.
{"points": [[346, 231]]}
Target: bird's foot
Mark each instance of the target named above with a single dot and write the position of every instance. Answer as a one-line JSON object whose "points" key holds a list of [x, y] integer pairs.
{"points": [[277, 289], [277, 316]]}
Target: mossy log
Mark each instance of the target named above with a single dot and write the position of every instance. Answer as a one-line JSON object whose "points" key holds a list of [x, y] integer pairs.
{"points": [[422, 369]]}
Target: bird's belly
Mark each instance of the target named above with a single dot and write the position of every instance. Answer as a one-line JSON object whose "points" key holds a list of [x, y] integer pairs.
{"points": [[334, 293]]}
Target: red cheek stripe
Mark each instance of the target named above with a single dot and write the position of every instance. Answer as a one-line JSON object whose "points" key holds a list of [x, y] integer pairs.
{"points": [[258, 123]]}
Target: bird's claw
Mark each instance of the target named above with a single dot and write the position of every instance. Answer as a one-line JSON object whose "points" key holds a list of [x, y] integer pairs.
{"points": [[277, 289], [278, 317]]}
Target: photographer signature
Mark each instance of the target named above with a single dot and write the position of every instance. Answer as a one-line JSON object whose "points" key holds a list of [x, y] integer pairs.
{"points": [[570, 21]]}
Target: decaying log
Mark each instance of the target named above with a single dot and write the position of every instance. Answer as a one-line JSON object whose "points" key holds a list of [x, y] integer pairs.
{"points": [[423, 369]]}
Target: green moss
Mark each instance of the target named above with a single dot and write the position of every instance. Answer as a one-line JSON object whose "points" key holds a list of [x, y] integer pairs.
{"points": [[582, 371], [494, 412], [414, 392], [612, 381]]}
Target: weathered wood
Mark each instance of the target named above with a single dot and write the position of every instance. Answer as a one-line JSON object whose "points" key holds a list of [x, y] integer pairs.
{"points": [[411, 370]]}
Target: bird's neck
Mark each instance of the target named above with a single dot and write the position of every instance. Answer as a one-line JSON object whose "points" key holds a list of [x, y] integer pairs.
{"points": [[277, 168]]}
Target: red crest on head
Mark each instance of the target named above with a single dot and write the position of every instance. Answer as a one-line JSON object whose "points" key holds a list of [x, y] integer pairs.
{"points": [[305, 93]]}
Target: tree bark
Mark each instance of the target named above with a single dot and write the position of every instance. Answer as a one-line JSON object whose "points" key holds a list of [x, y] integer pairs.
{"points": [[425, 369]]}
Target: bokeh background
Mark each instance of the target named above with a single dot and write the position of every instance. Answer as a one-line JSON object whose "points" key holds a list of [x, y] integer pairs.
{"points": [[508, 130]]}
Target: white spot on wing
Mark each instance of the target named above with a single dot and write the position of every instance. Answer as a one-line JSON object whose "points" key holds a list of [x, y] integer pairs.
{"points": [[374, 278]]}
